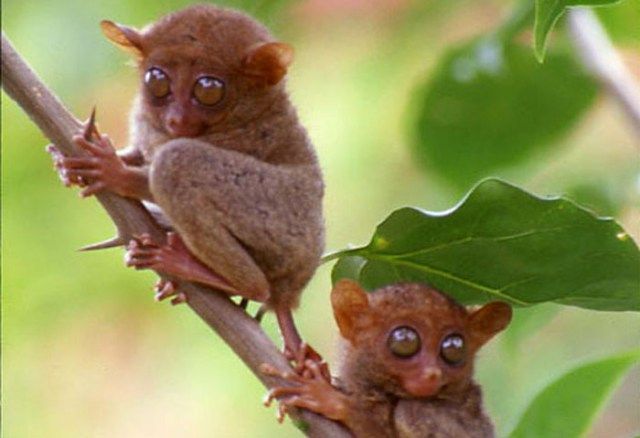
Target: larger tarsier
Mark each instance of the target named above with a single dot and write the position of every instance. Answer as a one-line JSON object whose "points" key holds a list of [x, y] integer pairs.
{"points": [[216, 144]]}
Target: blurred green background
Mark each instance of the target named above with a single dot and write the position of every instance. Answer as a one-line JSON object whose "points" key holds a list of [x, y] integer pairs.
{"points": [[86, 350]]}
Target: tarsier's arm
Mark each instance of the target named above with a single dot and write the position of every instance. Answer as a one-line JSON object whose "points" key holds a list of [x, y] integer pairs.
{"points": [[312, 391]]}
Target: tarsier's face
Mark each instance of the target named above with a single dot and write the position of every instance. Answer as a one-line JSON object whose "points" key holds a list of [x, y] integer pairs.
{"points": [[410, 339], [188, 97], [204, 69], [426, 352]]}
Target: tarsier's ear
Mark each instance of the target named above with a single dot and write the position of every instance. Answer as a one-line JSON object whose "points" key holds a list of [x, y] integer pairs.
{"points": [[350, 307], [127, 38], [488, 320], [268, 62]]}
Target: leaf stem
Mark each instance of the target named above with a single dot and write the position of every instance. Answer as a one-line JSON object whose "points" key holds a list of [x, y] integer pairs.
{"points": [[337, 254]]}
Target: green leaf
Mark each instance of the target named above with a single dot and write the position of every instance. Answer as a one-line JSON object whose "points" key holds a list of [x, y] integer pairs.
{"points": [[621, 22], [526, 322], [503, 243], [568, 406], [490, 105], [547, 14]]}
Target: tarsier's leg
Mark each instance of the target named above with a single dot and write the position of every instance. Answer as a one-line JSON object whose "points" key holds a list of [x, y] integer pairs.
{"points": [[295, 349], [189, 185], [254, 224]]}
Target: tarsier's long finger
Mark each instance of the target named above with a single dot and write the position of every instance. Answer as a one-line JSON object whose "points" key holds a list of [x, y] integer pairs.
{"points": [[92, 189], [282, 412], [270, 370], [168, 290], [280, 391], [138, 257], [145, 239], [79, 162], [142, 251], [318, 370], [179, 299], [175, 241], [163, 284], [53, 151], [83, 173], [141, 262], [303, 402], [138, 266]]}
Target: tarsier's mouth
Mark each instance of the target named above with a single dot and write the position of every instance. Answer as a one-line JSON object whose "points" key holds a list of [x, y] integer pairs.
{"points": [[183, 130]]}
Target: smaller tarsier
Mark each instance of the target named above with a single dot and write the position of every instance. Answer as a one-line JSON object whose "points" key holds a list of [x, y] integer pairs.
{"points": [[218, 154], [406, 367]]}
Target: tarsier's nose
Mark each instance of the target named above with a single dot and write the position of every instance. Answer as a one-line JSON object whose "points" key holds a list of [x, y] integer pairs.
{"points": [[178, 125], [426, 384]]}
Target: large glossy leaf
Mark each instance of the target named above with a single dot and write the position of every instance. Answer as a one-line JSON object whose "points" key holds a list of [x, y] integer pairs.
{"points": [[548, 12], [567, 406], [503, 243], [490, 105]]}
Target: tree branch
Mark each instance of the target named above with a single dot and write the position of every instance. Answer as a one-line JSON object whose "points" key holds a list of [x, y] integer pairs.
{"points": [[241, 332], [599, 55]]}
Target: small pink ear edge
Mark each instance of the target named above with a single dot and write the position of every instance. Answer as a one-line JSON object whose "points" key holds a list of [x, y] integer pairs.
{"points": [[127, 38]]}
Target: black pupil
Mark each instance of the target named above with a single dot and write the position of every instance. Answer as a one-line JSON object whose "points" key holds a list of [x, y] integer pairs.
{"points": [[404, 342], [453, 349]]}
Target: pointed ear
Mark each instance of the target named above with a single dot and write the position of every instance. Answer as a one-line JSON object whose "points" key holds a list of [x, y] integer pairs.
{"points": [[487, 321], [268, 62], [127, 38], [350, 307]]}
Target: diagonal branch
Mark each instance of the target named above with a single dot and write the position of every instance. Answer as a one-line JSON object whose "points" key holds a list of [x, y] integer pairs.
{"points": [[241, 332], [599, 56]]}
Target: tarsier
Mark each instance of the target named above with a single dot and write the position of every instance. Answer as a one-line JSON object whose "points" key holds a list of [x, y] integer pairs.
{"points": [[217, 146], [407, 364]]}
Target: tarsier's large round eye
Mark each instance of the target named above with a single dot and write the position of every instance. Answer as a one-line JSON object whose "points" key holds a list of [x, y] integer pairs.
{"points": [[157, 82], [453, 349], [404, 341], [208, 90]]}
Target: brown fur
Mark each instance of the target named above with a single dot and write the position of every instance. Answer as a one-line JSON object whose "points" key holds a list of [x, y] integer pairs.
{"points": [[246, 179], [375, 381]]}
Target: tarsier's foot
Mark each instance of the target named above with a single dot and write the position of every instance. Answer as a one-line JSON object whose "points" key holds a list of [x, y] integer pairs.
{"points": [[167, 288], [305, 355], [100, 169], [173, 259], [311, 391]]}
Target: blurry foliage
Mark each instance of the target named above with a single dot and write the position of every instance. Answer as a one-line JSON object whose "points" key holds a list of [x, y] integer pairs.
{"points": [[86, 353], [621, 22], [489, 105], [547, 14], [568, 406]]}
